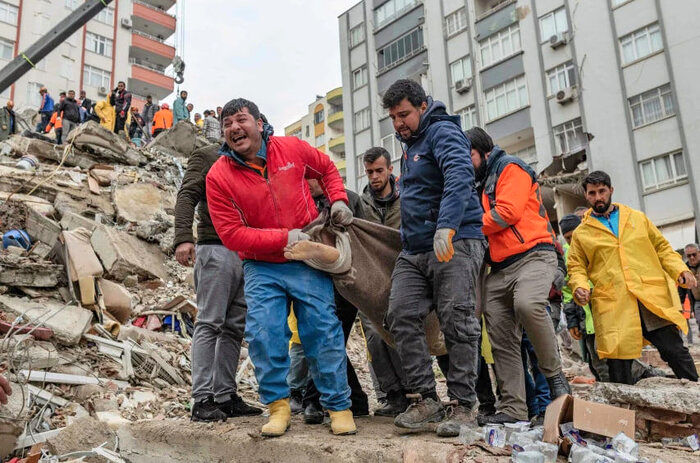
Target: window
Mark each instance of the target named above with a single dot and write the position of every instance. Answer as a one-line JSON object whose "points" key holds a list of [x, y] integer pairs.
{"points": [[362, 120], [663, 171], [391, 10], [401, 48], [506, 98], [320, 140], [553, 23], [359, 78], [96, 77], [570, 136], [73, 4], [106, 16], [467, 117], [561, 77], [318, 116], [357, 35], [7, 49], [8, 13], [393, 146], [500, 45], [67, 67], [456, 22], [33, 96], [461, 69], [652, 105], [641, 43], [98, 44]]}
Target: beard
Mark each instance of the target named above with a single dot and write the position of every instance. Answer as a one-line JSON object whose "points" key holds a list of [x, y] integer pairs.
{"points": [[480, 172], [601, 207]]}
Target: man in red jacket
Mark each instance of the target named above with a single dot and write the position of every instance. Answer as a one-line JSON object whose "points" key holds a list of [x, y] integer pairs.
{"points": [[259, 201]]}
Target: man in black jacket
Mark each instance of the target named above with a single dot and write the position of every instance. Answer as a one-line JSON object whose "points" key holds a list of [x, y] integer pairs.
{"points": [[87, 104], [71, 113], [122, 104]]}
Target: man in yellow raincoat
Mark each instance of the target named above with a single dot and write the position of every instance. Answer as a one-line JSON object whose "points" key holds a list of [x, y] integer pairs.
{"points": [[634, 272]]}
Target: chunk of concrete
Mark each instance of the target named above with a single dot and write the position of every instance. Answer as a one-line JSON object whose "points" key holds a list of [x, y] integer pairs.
{"points": [[138, 202], [123, 255], [41, 205], [41, 228], [676, 395], [180, 140], [117, 299], [68, 326], [71, 221], [20, 271], [82, 260]]}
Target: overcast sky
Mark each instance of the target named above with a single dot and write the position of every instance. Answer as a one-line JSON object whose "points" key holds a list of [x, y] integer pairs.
{"points": [[278, 53]]}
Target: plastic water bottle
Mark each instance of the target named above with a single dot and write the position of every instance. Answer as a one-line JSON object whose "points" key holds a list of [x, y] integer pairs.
{"points": [[495, 436], [623, 444], [530, 456], [468, 435]]}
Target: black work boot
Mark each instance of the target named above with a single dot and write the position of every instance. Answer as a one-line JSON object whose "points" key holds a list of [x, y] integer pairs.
{"points": [[295, 399], [558, 385], [420, 413], [313, 414], [396, 403], [498, 418], [207, 410], [458, 415], [235, 406]]}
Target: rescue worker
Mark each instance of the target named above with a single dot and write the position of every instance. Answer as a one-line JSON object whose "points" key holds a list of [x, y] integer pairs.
{"points": [[382, 204], [162, 119], [56, 124], [8, 121], [443, 249], [104, 109], [523, 261], [259, 202], [149, 110], [634, 272]]}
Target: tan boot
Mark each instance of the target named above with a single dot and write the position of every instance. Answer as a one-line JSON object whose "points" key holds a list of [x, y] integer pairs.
{"points": [[280, 418], [342, 423]]}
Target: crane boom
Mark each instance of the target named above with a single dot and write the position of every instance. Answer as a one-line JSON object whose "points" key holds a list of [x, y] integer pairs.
{"points": [[46, 44]]}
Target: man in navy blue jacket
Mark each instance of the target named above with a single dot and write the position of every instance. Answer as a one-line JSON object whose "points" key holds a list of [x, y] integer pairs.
{"points": [[443, 249]]}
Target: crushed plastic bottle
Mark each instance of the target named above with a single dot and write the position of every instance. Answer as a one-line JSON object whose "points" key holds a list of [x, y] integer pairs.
{"points": [[581, 454], [692, 442], [469, 435], [520, 439], [624, 458], [530, 456], [623, 444], [495, 436], [549, 451]]}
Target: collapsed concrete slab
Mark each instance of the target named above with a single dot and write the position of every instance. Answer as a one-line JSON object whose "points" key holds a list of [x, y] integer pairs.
{"points": [[40, 205], [43, 150], [42, 228], [138, 202], [20, 271], [71, 221], [68, 325], [180, 140], [117, 299], [104, 145], [123, 255]]}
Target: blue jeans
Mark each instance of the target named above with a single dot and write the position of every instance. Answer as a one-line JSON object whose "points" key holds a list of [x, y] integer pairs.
{"points": [[45, 118], [536, 389], [268, 289]]}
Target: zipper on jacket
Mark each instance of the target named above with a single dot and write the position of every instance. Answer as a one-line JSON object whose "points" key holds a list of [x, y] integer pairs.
{"points": [[517, 234], [272, 195]]}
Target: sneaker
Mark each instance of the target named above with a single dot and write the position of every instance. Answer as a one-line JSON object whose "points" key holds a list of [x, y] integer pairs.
{"points": [[235, 406], [295, 401], [457, 416], [498, 418], [207, 410], [396, 404], [313, 414], [420, 413]]}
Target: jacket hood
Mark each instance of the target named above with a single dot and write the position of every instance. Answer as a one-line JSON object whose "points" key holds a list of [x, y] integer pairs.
{"points": [[267, 132], [369, 193], [496, 154], [436, 111]]}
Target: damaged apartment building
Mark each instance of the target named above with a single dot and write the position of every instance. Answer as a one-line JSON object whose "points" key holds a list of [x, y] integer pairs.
{"points": [[569, 86]]}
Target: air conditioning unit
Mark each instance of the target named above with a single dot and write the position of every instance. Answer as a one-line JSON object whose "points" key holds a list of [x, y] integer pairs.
{"points": [[464, 85], [558, 40], [126, 23], [102, 91], [566, 95]]}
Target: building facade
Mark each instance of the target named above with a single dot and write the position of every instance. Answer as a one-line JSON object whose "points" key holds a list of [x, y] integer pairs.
{"points": [[323, 127], [569, 86], [125, 41]]}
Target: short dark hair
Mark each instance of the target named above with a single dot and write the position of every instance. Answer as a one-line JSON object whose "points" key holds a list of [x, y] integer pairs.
{"points": [[206, 112], [480, 140], [404, 89], [148, 96], [375, 153], [121, 82], [62, 94], [597, 177], [237, 104]]}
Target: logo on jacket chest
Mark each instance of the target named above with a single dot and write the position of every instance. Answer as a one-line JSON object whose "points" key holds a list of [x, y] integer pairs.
{"points": [[287, 167]]}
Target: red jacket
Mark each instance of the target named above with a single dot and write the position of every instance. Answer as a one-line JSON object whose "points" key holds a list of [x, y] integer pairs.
{"points": [[252, 214]]}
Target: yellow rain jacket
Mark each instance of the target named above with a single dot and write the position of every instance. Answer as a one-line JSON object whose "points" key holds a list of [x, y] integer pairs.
{"points": [[639, 265], [106, 113]]}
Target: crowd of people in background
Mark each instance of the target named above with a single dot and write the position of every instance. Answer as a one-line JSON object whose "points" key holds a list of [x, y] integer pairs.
{"points": [[116, 113]]}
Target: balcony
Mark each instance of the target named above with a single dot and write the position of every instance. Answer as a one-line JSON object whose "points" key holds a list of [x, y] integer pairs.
{"points": [[335, 96], [149, 80], [152, 20], [337, 144], [150, 50], [335, 120], [164, 5]]}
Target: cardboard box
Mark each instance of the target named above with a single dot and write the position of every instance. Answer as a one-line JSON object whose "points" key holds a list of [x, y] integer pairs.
{"points": [[602, 419]]}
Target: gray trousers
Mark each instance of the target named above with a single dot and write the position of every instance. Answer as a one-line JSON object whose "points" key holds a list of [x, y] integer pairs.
{"points": [[385, 360], [68, 127], [420, 284], [600, 366], [221, 312], [516, 298]]}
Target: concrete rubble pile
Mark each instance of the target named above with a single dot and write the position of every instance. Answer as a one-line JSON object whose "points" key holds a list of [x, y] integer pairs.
{"points": [[95, 320]]}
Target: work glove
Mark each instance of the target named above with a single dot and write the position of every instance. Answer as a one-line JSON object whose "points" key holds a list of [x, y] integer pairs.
{"points": [[442, 244], [341, 214], [296, 235]]}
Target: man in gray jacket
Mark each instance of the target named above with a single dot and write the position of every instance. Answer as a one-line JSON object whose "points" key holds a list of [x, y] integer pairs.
{"points": [[149, 110], [221, 306]]}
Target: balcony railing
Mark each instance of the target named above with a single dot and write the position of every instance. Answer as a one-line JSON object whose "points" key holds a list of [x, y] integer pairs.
{"points": [[153, 7], [149, 36], [147, 65]]}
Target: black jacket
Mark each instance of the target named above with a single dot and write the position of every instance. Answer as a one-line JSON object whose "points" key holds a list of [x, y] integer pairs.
{"points": [[70, 109]]}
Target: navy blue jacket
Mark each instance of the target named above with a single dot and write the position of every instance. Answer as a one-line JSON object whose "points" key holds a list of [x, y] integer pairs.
{"points": [[437, 182]]}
